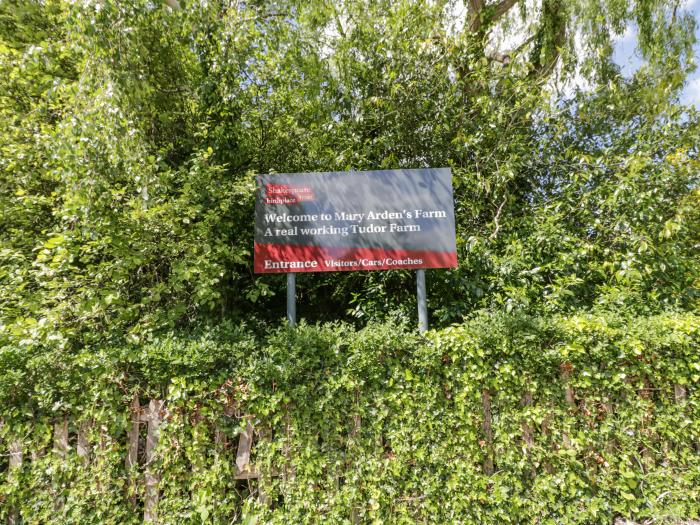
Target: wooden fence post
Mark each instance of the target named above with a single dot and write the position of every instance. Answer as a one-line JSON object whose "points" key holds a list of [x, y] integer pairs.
{"points": [[152, 478], [132, 448], [60, 438], [15, 462], [487, 429], [132, 435], [354, 434], [290, 471], [60, 447], [528, 431], [100, 451], [679, 393], [568, 396], [264, 435], [219, 438], [646, 393], [245, 443], [83, 445]]}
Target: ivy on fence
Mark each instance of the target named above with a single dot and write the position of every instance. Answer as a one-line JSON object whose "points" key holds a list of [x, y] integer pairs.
{"points": [[503, 419]]}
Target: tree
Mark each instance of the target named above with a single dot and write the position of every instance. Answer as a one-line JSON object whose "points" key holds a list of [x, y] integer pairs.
{"points": [[131, 133]]}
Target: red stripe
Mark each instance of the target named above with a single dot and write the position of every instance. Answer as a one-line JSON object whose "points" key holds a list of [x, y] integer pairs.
{"points": [[271, 258]]}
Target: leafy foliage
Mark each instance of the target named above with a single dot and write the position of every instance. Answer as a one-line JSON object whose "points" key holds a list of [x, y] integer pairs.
{"points": [[377, 423], [130, 133]]}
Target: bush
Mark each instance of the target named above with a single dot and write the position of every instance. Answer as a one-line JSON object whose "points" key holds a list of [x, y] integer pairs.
{"points": [[503, 419]]}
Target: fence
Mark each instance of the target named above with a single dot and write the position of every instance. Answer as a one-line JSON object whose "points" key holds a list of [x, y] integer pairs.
{"points": [[153, 415], [391, 428], [70, 438]]}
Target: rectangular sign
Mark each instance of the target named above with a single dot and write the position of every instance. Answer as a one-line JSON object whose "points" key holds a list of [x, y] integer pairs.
{"points": [[355, 220]]}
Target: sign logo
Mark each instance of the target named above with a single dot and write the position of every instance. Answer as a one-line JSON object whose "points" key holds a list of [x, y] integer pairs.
{"points": [[287, 194]]}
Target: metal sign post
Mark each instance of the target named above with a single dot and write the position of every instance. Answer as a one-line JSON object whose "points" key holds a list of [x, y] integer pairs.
{"points": [[291, 299], [422, 302]]}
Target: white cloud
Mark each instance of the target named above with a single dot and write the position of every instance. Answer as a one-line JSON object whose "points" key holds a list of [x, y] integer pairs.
{"points": [[629, 36], [691, 93]]}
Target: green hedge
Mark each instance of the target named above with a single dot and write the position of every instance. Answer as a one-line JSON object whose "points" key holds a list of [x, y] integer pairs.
{"points": [[378, 425]]}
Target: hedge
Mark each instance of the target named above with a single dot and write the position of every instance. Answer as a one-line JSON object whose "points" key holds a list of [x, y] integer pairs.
{"points": [[505, 418]]}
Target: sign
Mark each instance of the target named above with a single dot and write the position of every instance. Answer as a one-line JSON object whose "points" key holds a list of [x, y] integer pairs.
{"points": [[355, 220]]}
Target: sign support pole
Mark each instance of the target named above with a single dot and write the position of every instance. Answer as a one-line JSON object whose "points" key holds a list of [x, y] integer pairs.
{"points": [[422, 302], [291, 299]]}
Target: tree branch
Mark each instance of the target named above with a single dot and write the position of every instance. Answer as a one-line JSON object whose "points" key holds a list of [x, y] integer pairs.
{"points": [[497, 56], [502, 8], [497, 217], [507, 57], [477, 7], [338, 24]]}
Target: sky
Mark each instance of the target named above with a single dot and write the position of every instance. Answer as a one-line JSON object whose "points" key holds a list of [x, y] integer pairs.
{"points": [[626, 57]]}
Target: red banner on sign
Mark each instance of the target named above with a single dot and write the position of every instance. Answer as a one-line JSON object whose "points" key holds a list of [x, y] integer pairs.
{"points": [[282, 258]]}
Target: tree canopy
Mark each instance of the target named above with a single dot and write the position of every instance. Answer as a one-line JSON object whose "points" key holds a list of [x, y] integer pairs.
{"points": [[130, 134]]}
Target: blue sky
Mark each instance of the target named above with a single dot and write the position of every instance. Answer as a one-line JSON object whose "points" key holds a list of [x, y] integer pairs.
{"points": [[625, 56]]}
